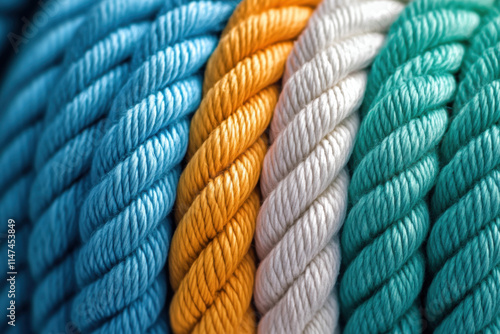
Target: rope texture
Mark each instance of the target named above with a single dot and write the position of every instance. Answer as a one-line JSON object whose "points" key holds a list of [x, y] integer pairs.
{"points": [[24, 97], [304, 178], [212, 268], [10, 11], [396, 165], [135, 171], [464, 244], [95, 67]]}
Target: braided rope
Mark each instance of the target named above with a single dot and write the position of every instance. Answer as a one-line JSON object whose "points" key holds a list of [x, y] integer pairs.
{"points": [[211, 266], [464, 244], [304, 180], [396, 164]]}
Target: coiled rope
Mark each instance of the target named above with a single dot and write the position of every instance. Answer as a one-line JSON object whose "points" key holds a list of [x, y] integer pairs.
{"points": [[464, 244], [123, 222], [304, 179], [395, 164], [24, 98], [95, 68], [211, 266]]}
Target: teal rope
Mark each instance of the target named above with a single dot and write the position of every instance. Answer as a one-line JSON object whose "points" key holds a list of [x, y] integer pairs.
{"points": [[464, 243], [396, 164]]}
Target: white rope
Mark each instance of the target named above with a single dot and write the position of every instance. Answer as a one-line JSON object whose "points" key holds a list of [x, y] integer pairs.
{"points": [[304, 180]]}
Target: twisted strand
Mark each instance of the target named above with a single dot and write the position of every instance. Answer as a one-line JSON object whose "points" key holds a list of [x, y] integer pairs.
{"points": [[464, 244], [211, 266], [304, 178], [92, 75], [123, 222], [24, 98], [396, 164]]}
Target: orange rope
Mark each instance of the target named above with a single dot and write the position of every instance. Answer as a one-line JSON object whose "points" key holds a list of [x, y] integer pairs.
{"points": [[212, 268]]}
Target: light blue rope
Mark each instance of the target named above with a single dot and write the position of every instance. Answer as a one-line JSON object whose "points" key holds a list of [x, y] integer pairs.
{"points": [[95, 68], [123, 222], [24, 97]]}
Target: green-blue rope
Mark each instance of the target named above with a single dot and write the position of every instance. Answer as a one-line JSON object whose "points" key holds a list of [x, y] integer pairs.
{"points": [[395, 164], [464, 244]]}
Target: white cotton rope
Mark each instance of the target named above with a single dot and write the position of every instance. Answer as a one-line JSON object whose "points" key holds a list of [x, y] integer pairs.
{"points": [[304, 179]]}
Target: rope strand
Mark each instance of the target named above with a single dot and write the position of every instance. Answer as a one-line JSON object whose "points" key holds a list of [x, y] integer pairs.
{"points": [[95, 67], [211, 265], [396, 164], [136, 169], [304, 180], [464, 244], [24, 98]]}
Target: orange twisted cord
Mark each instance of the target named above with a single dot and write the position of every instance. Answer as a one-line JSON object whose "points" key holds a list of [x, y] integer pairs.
{"points": [[212, 268]]}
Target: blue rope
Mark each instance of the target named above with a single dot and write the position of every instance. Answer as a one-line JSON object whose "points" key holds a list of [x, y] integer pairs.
{"points": [[24, 95], [6, 25], [12, 5], [9, 14], [124, 221], [95, 67], [46, 47]]}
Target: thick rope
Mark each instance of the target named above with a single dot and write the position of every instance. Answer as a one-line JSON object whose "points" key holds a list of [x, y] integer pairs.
{"points": [[24, 98], [95, 68], [464, 244], [395, 164], [304, 179], [211, 266], [123, 222]]}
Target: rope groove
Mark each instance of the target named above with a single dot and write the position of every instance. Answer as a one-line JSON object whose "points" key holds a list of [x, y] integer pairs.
{"points": [[304, 179], [123, 222], [463, 246], [396, 164], [211, 265]]}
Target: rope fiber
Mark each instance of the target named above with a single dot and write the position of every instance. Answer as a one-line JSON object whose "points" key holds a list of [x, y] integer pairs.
{"points": [[395, 164], [463, 248], [212, 266], [95, 66], [304, 179]]}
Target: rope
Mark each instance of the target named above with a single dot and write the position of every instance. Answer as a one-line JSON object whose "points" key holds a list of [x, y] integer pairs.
{"points": [[396, 165], [95, 67], [24, 98], [211, 265], [464, 244], [10, 12], [135, 170], [304, 179]]}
